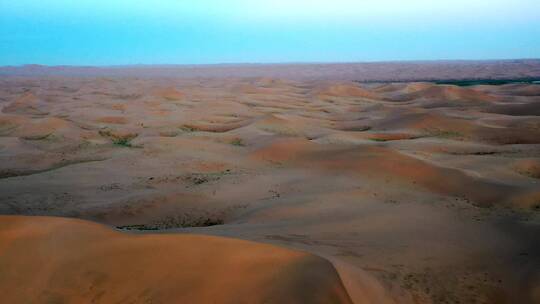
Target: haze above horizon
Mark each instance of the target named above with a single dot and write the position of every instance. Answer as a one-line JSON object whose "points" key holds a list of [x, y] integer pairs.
{"points": [[123, 32]]}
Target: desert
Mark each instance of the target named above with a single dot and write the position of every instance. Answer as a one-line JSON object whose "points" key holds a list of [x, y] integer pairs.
{"points": [[340, 183]]}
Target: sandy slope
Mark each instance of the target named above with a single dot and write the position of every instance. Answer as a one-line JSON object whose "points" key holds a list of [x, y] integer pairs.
{"points": [[415, 192], [54, 260]]}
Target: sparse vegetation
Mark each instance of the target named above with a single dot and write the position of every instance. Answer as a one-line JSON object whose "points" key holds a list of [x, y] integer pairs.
{"points": [[168, 133], [238, 142], [530, 169], [119, 139], [202, 178], [187, 129], [447, 134], [281, 130], [38, 136], [392, 137], [125, 142], [530, 173], [179, 221], [172, 223], [6, 128], [495, 82]]}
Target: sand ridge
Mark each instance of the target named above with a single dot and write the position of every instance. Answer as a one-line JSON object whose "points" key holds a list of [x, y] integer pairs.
{"points": [[70, 261]]}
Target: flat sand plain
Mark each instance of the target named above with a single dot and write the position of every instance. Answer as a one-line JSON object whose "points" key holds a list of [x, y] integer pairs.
{"points": [[371, 193]]}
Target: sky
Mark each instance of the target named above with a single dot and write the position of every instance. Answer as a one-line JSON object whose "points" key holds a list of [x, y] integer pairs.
{"points": [[121, 32]]}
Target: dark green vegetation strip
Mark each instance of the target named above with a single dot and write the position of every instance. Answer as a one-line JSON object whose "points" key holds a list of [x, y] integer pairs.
{"points": [[464, 82]]}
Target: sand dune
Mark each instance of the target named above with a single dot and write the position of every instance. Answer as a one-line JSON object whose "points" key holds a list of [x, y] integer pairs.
{"points": [[346, 90], [169, 93], [41, 128], [381, 192], [526, 109], [27, 104], [528, 167], [47, 260], [449, 93], [389, 165]]}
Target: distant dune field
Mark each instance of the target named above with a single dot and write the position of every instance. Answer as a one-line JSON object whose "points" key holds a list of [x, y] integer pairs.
{"points": [[335, 190], [369, 71]]}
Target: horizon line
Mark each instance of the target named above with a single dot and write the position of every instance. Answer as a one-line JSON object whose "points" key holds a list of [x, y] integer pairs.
{"points": [[261, 63]]}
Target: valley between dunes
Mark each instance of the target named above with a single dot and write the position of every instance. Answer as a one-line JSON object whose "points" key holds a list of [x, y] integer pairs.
{"points": [[267, 190]]}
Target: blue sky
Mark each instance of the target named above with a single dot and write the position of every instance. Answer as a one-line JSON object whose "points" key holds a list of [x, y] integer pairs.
{"points": [[112, 32]]}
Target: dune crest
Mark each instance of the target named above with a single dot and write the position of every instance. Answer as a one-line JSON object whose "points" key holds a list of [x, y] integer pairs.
{"points": [[27, 104], [48, 260], [347, 90], [169, 93]]}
